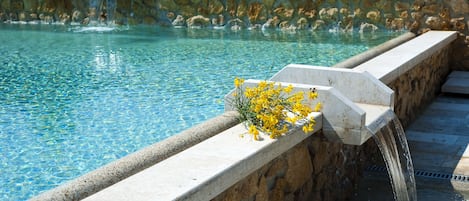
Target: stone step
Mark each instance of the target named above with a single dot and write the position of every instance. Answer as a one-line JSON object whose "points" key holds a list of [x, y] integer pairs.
{"points": [[439, 138], [458, 82]]}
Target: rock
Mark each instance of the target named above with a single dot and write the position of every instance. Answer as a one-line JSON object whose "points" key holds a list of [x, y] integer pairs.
{"points": [[423, 30], [329, 15], [400, 6], [262, 193], [433, 22], [458, 24], [320, 181], [284, 13], [170, 16], [16, 5], [277, 193], [367, 27], [299, 167], [385, 6], [417, 6], [445, 14], [318, 25], [333, 14], [245, 189], [286, 26], [417, 16], [397, 24], [64, 18], [302, 23], [197, 21], [213, 8], [187, 11], [277, 168], [179, 21], [404, 15], [254, 12], [271, 23], [430, 9], [374, 15], [241, 9], [236, 24], [77, 16], [388, 16], [22, 17], [459, 6], [344, 12], [348, 22], [358, 13], [310, 13]]}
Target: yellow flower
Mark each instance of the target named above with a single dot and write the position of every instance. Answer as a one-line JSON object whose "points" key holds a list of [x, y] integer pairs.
{"points": [[309, 127], [253, 130], [318, 107], [250, 93], [262, 85], [238, 82], [312, 95], [270, 108], [288, 89]]}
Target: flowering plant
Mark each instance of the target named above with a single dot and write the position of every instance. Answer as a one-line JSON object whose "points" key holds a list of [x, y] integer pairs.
{"points": [[270, 108]]}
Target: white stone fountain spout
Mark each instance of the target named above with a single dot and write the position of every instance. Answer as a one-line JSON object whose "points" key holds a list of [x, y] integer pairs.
{"points": [[366, 104]]}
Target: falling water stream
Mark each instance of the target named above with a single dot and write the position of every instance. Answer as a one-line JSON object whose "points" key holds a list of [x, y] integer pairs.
{"points": [[392, 143]]}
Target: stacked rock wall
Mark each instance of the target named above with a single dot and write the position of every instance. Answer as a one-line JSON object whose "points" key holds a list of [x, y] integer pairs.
{"points": [[417, 16], [315, 169]]}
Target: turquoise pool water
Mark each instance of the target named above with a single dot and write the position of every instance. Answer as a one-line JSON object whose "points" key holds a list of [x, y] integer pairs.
{"points": [[73, 99]]}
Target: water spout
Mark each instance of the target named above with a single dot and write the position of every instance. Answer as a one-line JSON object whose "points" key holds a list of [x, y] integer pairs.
{"points": [[392, 143]]}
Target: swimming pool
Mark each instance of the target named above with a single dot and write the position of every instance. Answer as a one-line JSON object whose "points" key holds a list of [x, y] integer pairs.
{"points": [[74, 99]]}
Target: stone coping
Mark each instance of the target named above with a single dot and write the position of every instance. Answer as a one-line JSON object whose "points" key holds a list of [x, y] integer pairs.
{"points": [[358, 59], [205, 170], [390, 65], [120, 169]]}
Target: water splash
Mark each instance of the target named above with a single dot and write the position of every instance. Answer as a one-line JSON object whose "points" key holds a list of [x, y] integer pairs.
{"points": [[392, 143]]}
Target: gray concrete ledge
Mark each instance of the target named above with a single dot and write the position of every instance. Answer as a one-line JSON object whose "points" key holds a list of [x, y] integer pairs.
{"points": [[358, 59], [207, 169], [397, 61], [118, 170]]}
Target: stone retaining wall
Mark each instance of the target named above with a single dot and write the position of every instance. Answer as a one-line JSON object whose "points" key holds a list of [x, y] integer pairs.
{"points": [[315, 169], [418, 87], [417, 16]]}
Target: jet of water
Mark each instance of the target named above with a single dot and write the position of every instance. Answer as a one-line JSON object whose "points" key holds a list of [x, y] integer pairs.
{"points": [[392, 143]]}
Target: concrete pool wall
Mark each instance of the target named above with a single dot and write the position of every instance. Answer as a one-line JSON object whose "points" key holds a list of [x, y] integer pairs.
{"points": [[309, 167]]}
